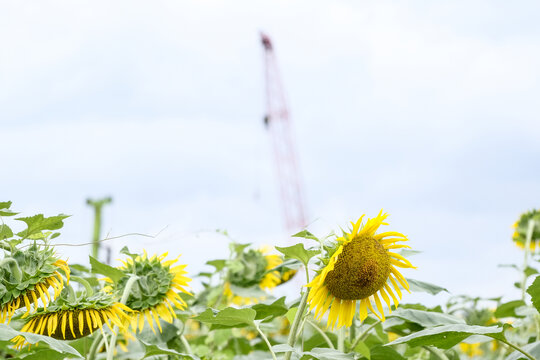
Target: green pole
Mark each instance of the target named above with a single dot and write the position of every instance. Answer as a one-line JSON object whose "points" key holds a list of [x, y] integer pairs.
{"points": [[98, 205]]}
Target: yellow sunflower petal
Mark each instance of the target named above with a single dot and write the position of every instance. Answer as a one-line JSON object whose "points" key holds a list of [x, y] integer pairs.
{"points": [[63, 325]]}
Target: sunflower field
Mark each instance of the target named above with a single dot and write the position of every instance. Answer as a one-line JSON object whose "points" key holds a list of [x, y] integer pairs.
{"points": [[349, 302]]}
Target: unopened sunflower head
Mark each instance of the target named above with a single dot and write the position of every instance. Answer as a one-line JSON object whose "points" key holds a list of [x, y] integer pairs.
{"points": [[251, 271], [529, 220], [356, 268], [155, 293], [26, 276], [67, 319]]}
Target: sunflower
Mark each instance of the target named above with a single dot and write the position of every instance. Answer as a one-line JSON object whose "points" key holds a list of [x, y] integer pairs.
{"points": [[471, 350], [155, 292], [357, 267], [69, 320], [251, 272], [33, 271], [272, 278], [287, 275], [521, 228]]}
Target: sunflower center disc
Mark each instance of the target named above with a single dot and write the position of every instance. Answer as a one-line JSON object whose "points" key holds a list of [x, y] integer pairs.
{"points": [[360, 271]]}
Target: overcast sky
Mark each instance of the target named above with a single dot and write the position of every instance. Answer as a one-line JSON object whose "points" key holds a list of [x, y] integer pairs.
{"points": [[426, 109]]}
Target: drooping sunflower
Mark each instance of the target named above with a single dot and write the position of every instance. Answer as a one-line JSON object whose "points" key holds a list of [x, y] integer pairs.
{"points": [[155, 292], [250, 273], [357, 268], [69, 319], [26, 276], [521, 227]]}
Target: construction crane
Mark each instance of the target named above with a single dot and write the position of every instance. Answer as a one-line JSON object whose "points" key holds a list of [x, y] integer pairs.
{"points": [[278, 123]]}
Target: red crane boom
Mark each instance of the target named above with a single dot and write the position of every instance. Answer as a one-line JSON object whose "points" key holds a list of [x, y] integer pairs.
{"points": [[278, 123]]}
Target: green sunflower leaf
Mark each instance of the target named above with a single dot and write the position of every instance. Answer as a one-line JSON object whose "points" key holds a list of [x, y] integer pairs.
{"points": [[533, 349], [48, 354], [408, 252], [204, 274], [385, 353], [534, 291], [5, 232], [298, 252], [4, 209], [326, 354], [280, 348], [228, 318], [79, 267], [219, 264], [306, 235], [82, 345], [125, 251], [270, 311], [5, 204], [530, 271], [35, 224], [426, 318], [100, 268], [7, 333], [446, 336], [238, 248], [363, 350], [421, 286], [509, 309], [317, 340], [291, 314], [153, 350]]}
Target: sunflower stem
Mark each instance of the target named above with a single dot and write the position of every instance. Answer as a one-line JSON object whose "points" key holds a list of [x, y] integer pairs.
{"points": [[323, 334], [96, 345], [528, 239], [301, 332], [266, 341], [515, 347], [341, 339], [296, 323], [364, 334], [186, 344], [438, 353], [105, 341], [352, 331], [125, 296]]}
